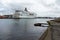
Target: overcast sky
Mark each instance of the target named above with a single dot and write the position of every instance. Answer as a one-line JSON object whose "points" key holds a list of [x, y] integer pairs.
{"points": [[40, 7]]}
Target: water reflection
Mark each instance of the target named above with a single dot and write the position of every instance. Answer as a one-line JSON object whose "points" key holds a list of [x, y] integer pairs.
{"points": [[16, 21], [19, 29]]}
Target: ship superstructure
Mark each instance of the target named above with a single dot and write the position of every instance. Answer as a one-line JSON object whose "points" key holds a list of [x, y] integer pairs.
{"points": [[23, 14]]}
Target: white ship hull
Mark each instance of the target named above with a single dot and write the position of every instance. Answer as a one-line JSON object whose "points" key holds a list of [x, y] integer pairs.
{"points": [[23, 14], [26, 16]]}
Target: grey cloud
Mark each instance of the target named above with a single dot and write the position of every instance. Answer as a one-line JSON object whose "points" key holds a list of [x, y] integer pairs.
{"points": [[58, 2], [13, 6]]}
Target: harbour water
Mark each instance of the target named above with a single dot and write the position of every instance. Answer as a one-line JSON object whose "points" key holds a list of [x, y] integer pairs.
{"points": [[20, 29]]}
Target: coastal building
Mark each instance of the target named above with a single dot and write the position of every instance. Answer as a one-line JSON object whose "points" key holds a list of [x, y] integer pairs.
{"points": [[8, 16], [1, 17]]}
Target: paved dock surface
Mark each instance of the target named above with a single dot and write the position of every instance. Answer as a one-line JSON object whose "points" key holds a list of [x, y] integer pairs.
{"points": [[56, 33], [55, 30]]}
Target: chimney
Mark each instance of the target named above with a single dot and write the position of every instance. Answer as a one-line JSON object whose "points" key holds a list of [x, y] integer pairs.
{"points": [[26, 9]]}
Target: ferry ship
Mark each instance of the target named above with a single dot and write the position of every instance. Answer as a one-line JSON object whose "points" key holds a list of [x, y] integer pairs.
{"points": [[23, 14]]}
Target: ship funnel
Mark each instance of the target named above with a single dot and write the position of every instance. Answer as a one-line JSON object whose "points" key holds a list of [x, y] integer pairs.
{"points": [[17, 10], [25, 9]]}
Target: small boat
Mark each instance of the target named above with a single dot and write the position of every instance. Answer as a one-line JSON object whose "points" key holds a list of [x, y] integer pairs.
{"points": [[41, 24]]}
